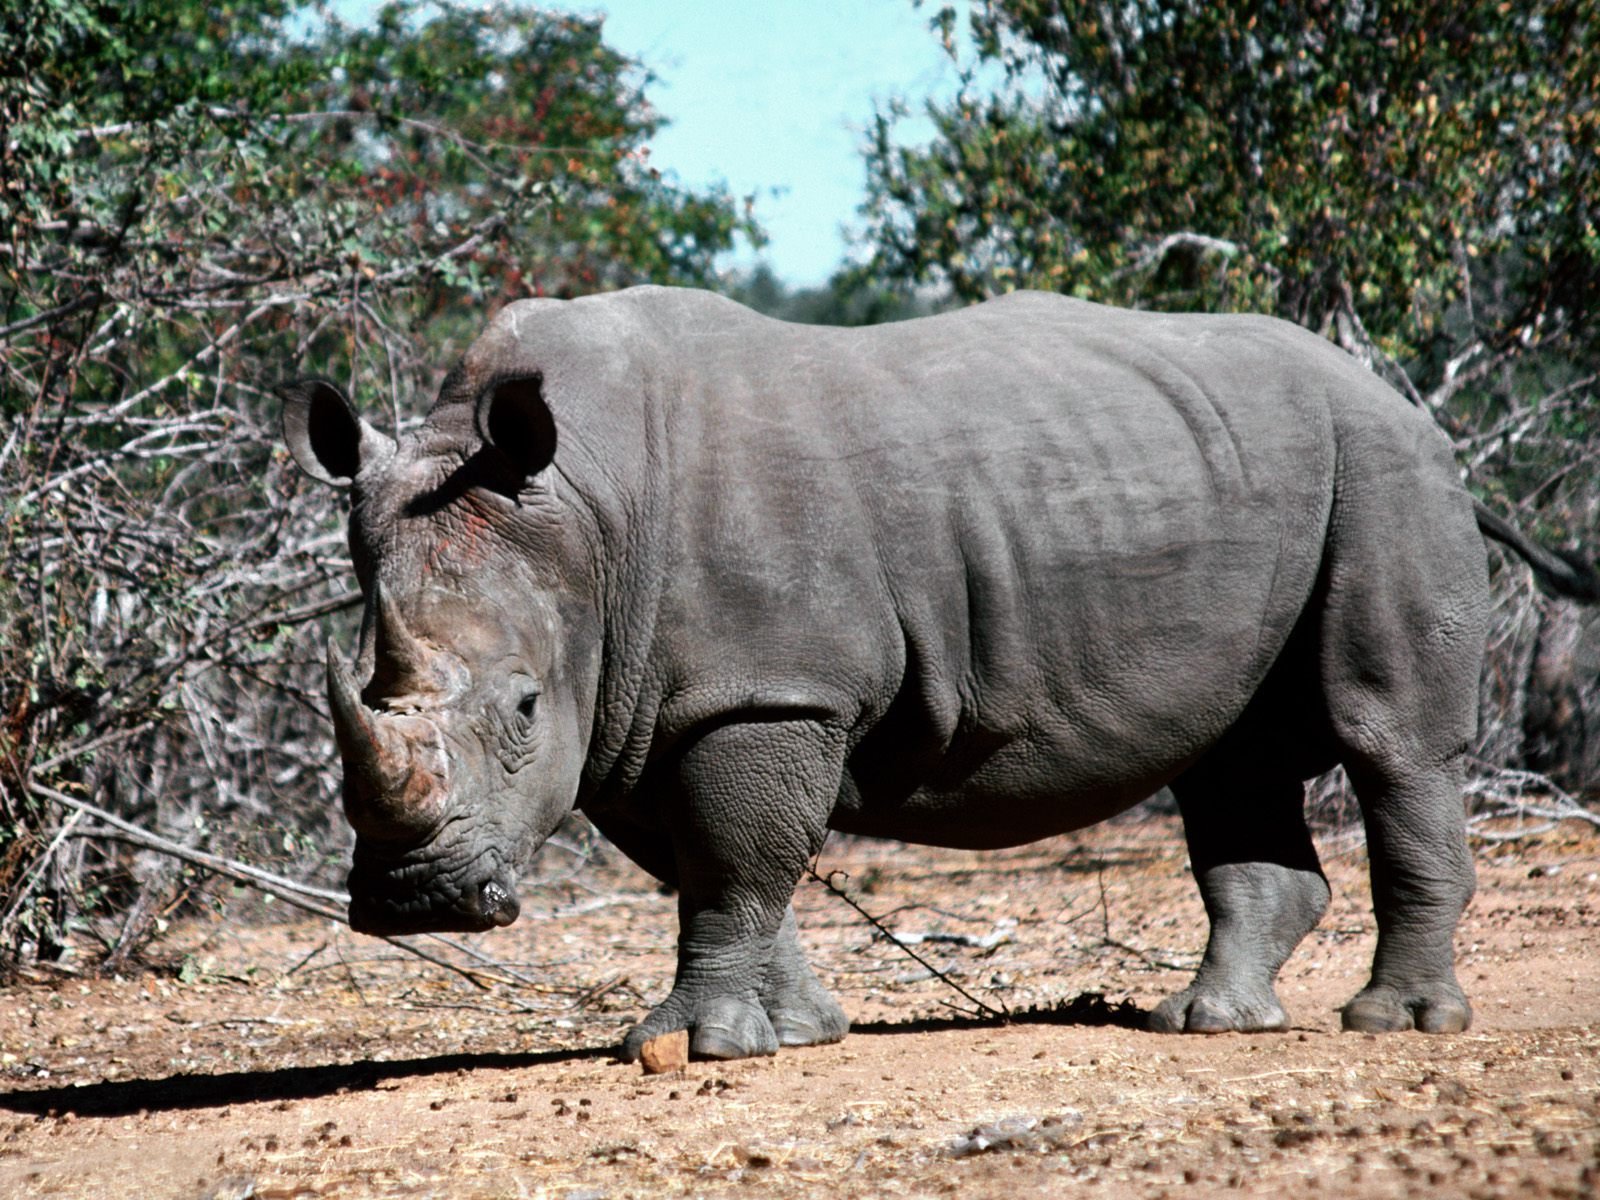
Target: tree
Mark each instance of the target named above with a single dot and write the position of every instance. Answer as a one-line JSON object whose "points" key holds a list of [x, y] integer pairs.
{"points": [[199, 198], [841, 301], [1359, 168], [1417, 182]]}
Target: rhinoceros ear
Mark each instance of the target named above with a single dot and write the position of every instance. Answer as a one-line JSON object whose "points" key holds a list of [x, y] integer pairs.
{"points": [[327, 437], [513, 418]]}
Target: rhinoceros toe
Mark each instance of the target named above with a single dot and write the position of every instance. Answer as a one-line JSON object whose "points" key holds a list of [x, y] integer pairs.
{"points": [[1197, 1011], [802, 1012], [809, 1026], [1440, 1008], [719, 1027]]}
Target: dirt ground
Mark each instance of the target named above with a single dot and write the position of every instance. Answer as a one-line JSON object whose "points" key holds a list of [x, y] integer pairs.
{"points": [[300, 1060]]}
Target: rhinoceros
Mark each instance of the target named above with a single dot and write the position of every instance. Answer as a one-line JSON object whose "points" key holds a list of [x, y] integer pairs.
{"points": [[723, 583]]}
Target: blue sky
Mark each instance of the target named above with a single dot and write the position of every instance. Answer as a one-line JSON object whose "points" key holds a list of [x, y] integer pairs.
{"points": [[773, 98], [777, 95]]}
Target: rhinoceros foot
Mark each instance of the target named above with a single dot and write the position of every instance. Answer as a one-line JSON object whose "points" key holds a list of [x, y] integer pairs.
{"points": [[813, 1019], [800, 1009], [719, 1027], [1198, 1009], [1436, 1008]]}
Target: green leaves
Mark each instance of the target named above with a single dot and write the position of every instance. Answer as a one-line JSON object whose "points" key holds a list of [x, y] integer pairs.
{"points": [[1391, 153]]}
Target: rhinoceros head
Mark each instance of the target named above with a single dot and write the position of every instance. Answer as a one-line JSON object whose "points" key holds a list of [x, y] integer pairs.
{"points": [[464, 720]]}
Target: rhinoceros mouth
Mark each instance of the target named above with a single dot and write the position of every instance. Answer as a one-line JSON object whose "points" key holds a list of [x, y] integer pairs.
{"points": [[392, 899]]}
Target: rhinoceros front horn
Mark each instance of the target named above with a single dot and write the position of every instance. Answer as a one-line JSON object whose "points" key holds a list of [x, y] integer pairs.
{"points": [[382, 788], [369, 751]]}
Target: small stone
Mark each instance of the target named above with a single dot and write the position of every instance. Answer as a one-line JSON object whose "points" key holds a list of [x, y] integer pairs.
{"points": [[669, 1052]]}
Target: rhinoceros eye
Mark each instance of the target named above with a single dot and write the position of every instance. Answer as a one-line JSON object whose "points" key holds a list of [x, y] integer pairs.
{"points": [[527, 705]]}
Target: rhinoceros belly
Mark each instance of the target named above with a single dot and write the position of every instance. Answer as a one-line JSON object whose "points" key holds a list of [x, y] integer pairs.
{"points": [[1090, 582]]}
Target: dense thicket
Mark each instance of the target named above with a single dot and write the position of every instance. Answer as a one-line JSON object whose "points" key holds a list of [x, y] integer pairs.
{"points": [[199, 198], [1417, 181]]}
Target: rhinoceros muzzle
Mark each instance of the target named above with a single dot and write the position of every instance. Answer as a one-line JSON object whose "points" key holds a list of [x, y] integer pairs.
{"points": [[388, 899]]}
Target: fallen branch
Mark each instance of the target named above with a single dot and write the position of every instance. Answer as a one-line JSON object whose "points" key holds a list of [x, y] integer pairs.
{"points": [[984, 1010], [1504, 792], [317, 901], [301, 895]]}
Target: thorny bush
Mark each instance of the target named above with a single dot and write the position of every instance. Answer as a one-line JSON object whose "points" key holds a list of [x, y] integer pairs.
{"points": [[200, 200]]}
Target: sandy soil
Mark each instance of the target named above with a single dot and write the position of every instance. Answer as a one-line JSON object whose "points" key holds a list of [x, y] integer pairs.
{"points": [[299, 1060]]}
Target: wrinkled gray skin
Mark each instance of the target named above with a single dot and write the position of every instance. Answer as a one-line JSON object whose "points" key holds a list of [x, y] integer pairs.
{"points": [[725, 583]]}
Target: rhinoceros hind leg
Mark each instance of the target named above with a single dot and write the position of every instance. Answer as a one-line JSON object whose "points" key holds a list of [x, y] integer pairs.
{"points": [[801, 1010], [1422, 878], [1263, 890], [1402, 625]]}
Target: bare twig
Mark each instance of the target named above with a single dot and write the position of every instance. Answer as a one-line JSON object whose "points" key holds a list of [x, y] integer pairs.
{"points": [[1113, 943], [1002, 1013], [291, 891], [87, 300], [1505, 794], [36, 868], [1153, 256], [300, 895]]}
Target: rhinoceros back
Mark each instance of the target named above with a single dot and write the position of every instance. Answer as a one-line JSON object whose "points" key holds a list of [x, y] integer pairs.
{"points": [[1037, 554]]}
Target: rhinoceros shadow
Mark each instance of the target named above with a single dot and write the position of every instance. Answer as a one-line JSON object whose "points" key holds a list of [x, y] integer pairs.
{"points": [[1089, 1008], [122, 1097]]}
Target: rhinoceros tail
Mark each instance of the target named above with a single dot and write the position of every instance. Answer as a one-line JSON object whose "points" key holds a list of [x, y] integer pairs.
{"points": [[1559, 572]]}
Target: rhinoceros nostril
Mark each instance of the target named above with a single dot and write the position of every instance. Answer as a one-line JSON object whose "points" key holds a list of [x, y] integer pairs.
{"points": [[497, 904]]}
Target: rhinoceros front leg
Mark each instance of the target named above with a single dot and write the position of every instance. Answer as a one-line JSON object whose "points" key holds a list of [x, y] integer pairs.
{"points": [[749, 812], [800, 1009], [1263, 890]]}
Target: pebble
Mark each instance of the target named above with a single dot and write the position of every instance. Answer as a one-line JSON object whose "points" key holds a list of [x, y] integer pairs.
{"points": [[669, 1052]]}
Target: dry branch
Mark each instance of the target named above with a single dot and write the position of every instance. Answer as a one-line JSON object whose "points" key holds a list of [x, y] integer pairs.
{"points": [[984, 1010], [1505, 793], [300, 895]]}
